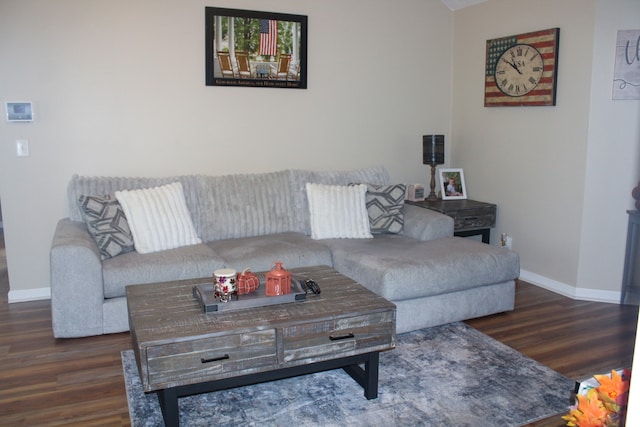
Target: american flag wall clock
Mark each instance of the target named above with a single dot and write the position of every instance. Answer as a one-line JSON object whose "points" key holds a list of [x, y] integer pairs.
{"points": [[521, 70]]}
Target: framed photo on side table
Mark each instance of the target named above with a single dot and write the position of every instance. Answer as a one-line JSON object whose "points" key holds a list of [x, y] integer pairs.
{"points": [[452, 184]]}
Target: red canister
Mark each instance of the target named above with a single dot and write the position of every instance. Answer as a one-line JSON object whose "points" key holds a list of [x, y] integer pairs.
{"points": [[278, 281]]}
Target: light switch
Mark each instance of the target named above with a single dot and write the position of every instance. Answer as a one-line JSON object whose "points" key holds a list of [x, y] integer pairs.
{"points": [[22, 147]]}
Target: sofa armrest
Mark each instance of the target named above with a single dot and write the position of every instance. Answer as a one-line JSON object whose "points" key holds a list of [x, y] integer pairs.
{"points": [[425, 224], [76, 282]]}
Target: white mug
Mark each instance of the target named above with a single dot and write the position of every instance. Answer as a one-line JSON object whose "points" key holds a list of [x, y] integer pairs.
{"points": [[224, 284]]}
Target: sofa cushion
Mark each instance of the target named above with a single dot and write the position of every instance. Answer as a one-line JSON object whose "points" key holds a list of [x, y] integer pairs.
{"points": [[399, 267], [338, 211], [384, 206], [101, 185], [244, 205], [259, 253], [107, 224], [299, 178], [158, 217], [133, 268]]}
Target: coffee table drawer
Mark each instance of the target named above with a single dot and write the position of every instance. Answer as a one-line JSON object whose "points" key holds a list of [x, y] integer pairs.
{"points": [[335, 338], [209, 358]]}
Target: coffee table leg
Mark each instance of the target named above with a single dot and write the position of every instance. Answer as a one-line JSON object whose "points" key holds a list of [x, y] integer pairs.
{"points": [[371, 376], [168, 399], [367, 377]]}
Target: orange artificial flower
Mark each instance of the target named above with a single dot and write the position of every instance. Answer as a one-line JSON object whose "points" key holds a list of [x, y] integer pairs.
{"points": [[613, 390], [590, 411], [603, 406]]}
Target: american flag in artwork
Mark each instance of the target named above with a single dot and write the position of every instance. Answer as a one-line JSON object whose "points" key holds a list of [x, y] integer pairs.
{"points": [[268, 37], [546, 42]]}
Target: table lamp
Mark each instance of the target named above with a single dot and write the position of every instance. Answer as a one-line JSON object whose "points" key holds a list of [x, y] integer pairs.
{"points": [[433, 154]]}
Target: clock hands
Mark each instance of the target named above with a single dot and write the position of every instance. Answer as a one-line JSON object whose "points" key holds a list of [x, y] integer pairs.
{"points": [[515, 67]]}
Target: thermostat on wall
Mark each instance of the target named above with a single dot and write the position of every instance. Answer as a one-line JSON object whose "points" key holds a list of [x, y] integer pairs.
{"points": [[19, 112]]}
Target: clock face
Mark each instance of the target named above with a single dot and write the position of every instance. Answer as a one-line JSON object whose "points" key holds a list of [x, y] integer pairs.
{"points": [[519, 70]]}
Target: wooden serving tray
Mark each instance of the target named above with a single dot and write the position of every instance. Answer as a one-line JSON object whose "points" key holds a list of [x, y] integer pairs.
{"points": [[210, 304]]}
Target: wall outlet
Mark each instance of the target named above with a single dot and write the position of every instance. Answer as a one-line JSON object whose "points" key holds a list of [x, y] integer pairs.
{"points": [[506, 240]]}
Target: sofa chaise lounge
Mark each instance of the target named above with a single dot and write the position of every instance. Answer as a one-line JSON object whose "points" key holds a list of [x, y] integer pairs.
{"points": [[252, 220]]}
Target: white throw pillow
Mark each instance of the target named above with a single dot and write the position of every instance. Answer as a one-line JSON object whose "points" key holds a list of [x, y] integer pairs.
{"points": [[338, 211], [158, 218]]}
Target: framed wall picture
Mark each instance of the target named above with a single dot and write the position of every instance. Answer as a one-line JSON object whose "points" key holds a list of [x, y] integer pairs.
{"points": [[521, 70], [452, 184], [626, 73], [248, 48]]}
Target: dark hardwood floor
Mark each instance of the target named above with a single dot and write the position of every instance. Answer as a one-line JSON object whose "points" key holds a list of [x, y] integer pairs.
{"points": [[50, 382]]}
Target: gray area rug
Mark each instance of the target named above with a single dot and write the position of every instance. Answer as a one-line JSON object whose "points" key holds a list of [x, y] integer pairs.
{"points": [[449, 375]]}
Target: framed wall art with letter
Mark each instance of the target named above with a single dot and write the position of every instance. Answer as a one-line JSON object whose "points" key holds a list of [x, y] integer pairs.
{"points": [[626, 74]]}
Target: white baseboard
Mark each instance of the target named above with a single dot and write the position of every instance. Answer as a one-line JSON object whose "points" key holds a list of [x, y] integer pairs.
{"points": [[582, 294], [29, 295], [533, 278]]}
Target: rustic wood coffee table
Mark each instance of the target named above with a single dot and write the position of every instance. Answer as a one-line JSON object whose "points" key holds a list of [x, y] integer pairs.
{"points": [[181, 350]]}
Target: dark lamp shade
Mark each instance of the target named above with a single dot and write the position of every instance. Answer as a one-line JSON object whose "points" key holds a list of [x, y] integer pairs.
{"points": [[433, 150]]}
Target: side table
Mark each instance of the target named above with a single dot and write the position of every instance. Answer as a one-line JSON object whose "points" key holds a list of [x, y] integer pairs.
{"points": [[471, 218]]}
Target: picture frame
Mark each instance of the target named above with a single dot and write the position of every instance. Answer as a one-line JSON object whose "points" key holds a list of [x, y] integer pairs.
{"points": [[626, 72], [455, 179], [248, 48], [19, 111]]}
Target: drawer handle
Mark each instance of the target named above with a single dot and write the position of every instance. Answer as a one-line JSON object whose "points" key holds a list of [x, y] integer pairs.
{"points": [[342, 337], [215, 359], [471, 218]]}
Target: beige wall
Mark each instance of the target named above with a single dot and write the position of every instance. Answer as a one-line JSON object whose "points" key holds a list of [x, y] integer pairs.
{"points": [[547, 167], [118, 89], [613, 156]]}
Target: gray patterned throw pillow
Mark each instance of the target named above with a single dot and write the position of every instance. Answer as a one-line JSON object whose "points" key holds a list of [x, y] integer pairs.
{"points": [[384, 205], [107, 225]]}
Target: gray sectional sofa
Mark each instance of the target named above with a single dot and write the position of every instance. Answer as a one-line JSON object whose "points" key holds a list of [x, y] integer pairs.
{"points": [[252, 220]]}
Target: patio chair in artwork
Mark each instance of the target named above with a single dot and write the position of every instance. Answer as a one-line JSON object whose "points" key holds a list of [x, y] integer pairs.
{"points": [[296, 75], [244, 67], [282, 72], [226, 67]]}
